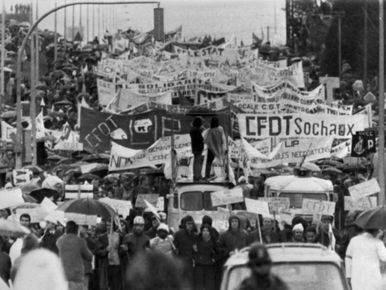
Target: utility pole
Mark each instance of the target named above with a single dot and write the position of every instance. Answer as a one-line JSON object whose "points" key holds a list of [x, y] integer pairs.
{"points": [[65, 23], [2, 79], [267, 33], [339, 14], [56, 37], [365, 36], [73, 22], [381, 142]]}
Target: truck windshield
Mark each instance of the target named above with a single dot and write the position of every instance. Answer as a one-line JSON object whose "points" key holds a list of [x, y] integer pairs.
{"points": [[296, 199], [196, 200], [300, 276]]}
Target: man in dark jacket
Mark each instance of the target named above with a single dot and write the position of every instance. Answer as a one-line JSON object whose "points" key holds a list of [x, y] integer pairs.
{"points": [[197, 147], [233, 239], [137, 241], [72, 251], [261, 276], [184, 239]]}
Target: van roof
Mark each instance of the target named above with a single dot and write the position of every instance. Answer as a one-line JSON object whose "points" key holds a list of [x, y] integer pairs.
{"points": [[290, 252], [299, 184]]}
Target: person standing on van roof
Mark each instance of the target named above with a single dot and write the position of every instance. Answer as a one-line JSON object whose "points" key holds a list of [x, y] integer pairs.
{"points": [[235, 238], [216, 141], [261, 276], [197, 147]]}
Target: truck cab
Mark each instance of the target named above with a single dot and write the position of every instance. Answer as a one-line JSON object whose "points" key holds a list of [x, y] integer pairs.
{"points": [[194, 199]]}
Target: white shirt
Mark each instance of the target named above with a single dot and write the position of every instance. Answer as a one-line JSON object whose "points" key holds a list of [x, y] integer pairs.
{"points": [[15, 250], [363, 257]]}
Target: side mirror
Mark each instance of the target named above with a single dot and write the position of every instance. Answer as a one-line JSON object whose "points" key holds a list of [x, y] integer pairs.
{"points": [[170, 195]]}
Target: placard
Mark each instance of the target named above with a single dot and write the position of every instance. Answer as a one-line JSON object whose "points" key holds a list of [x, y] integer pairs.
{"points": [[277, 204], [258, 206], [230, 196], [122, 207], [150, 197], [361, 204], [73, 191], [21, 176], [363, 189], [11, 197], [313, 206]]}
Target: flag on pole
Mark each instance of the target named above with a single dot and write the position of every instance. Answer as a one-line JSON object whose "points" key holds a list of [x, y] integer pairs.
{"points": [[40, 130]]}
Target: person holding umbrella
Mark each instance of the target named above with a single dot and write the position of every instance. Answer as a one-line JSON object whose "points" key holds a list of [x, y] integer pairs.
{"points": [[366, 250]]}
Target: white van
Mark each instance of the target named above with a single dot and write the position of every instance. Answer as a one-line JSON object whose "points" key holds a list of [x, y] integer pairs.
{"points": [[194, 199], [297, 187]]}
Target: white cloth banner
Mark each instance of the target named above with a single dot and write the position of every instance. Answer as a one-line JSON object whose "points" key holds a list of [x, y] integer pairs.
{"points": [[300, 125], [106, 91], [294, 151], [122, 158], [128, 98]]}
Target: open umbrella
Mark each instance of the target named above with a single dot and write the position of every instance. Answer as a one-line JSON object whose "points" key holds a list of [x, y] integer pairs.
{"points": [[332, 170], [9, 228], [8, 114], [88, 177], [88, 207], [41, 193], [372, 219], [27, 188]]}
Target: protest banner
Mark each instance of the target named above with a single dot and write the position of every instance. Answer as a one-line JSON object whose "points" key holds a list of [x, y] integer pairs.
{"points": [[106, 91], [74, 191], [363, 189], [320, 207], [128, 98], [11, 197], [122, 207], [224, 197], [260, 108], [122, 158], [258, 206], [7, 131], [204, 96], [277, 204], [292, 151], [138, 131], [300, 125], [285, 90], [69, 142], [149, 197], [342, 150], [265, 75]]}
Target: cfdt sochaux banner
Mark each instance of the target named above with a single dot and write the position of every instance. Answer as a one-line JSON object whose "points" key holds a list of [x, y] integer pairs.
{"points": [[300, 125], [137, 131]]}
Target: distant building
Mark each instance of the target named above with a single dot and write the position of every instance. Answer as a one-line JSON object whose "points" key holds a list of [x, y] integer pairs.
{"points": [[159, 32]]}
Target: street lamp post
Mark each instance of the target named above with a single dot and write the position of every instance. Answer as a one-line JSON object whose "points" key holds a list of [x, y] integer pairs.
{"points": [[19, 140]]}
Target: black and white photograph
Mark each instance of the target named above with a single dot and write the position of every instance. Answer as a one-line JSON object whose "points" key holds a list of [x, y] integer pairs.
{"points": [[192, 145]]}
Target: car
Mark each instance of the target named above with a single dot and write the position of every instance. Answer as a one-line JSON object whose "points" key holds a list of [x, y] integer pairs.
{"points": [[302, 266]]}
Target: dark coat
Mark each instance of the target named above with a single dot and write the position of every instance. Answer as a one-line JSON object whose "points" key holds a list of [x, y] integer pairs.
{"points": [[196, 139], [135, 243], [271, 283], [5, 267], [206, 252], [72, 251], [49, 241], [184, 242]]}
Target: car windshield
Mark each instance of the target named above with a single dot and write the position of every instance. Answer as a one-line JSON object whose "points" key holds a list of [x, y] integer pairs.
{"points": [[299, 276], [296, 199]]}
